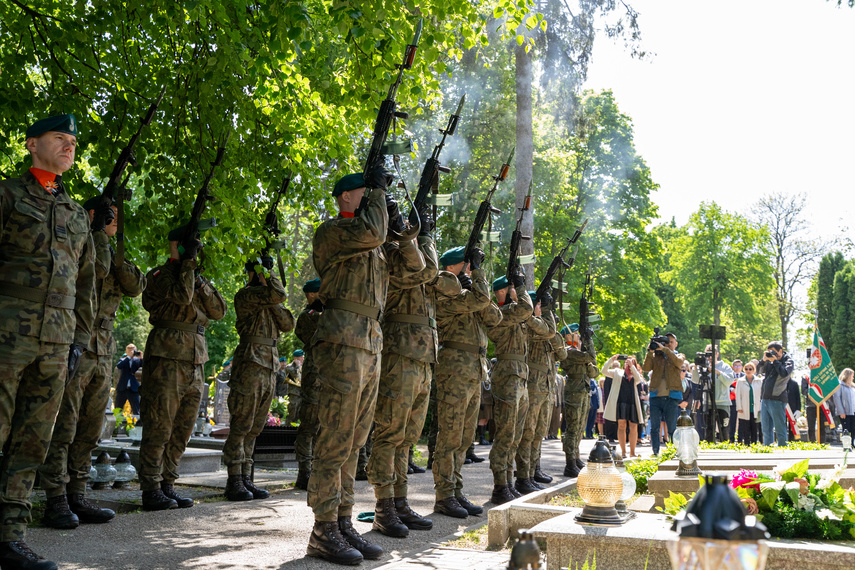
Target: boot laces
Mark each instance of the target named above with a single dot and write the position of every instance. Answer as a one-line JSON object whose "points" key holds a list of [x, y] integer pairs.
{"points": [[24, 550]]}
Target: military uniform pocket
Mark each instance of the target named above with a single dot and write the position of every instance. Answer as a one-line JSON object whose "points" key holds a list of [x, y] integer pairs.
{"points": [[337, 367]]}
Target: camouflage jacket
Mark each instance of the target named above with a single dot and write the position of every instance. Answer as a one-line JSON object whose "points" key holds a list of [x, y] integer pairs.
{"points": [[408, 298], [260, 313], [541, 369], [293, 372], [307, 324], [349, 259], [579, 367], [281, 389], [174, 293], [463, 317], [125, 280], [557, 353], [510, 336], [46, 249]]}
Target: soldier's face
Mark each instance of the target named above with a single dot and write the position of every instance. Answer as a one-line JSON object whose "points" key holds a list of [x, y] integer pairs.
{"points": [[53, 151], [349, 201], [113, 226]]}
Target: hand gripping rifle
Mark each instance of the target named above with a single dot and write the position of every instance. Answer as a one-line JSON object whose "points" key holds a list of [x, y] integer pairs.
{"points": [[191, 231], [517, 237], [116, 187], [432, 166], [272, 230], [387, 111], [484, 210], [558, 263]]}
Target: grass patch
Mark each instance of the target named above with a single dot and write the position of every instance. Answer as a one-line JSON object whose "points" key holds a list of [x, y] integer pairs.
{"points": [[474, 540]]}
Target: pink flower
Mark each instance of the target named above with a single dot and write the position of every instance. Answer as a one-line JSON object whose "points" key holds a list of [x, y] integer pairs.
{"points": [[750, 506], [804, 487], [745, 478]]}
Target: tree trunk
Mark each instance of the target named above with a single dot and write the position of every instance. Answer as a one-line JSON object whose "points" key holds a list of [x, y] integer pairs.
{"points": [[524, 153]]}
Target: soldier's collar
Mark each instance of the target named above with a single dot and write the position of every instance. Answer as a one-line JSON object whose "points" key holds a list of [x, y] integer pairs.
{"points": [[347, 214], [49, 181]]}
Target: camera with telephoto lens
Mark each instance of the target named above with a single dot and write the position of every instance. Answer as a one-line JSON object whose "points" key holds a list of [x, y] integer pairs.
{"points": [[702, 359], [771, 354], [657, 339]]}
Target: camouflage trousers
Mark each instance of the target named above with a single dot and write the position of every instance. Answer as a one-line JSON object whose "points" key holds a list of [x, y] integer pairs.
{"points": [[457, 403], [307, 432], [528, 452], [249, 400], [510, 407], [170, 393], [402, 402], [347, 384], [33, 376], [78, 427], [295, 403], [576, 404]]}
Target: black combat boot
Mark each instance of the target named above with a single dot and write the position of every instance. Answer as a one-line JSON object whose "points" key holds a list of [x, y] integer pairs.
{"points": [[369, 551], [235, 489], [257, 492], [571, 469], [386, 520], [409, 517], [415, 468], [327, 542], [482, 435], [87, 512], [450, 507], [540, 476], [169, 491], [501, 495], [513, 491], [361, 475], [580, 464], [18, 556], [430, 462], [471, 455], [302, 481], [470, 508], [157, 501], [535, 484], [59, 515], [524, 487]]}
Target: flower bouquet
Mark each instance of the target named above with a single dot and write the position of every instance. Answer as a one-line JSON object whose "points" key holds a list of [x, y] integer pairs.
{"points": [[794, 503]]}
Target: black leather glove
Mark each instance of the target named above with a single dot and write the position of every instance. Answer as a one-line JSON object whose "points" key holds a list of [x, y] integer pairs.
{"points": [[378, 176], [476, 258], [427, 223], [317, 306], [267, 262], [75, 353], [396, 221], [465, 280], [519, 277], [546, 301], [99, 219], [191, 249]]}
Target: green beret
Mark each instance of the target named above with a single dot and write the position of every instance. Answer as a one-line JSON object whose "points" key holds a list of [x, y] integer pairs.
{"points": [[93, 203], [312, 286], [532, 294], [227, 362], [283, 359], [452, 257], [569, 329], [348, 183], [500, 283], [297, 353], [58, 123]]}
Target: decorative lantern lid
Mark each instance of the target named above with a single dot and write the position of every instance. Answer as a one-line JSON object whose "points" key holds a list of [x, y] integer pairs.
{"points": [[685, 420], [600, 453], [715, 512], [123, 457]]}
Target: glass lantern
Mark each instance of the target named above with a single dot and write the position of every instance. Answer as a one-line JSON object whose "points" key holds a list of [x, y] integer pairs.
{"points": [[105, 473], [599, 484], [686, 440], [629, 486], [716, 534], [125, 472]]}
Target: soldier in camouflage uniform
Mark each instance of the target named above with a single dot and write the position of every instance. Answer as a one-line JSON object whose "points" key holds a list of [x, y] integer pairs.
{"points": [[349, 258], [81, 414], [579, 367], [558, 352], [409, 350], [293, 373], [47, 302], [539, 362], [261, 317], [463, 315], [281, 378], [307, 324], [180, 304], [510, 396]]}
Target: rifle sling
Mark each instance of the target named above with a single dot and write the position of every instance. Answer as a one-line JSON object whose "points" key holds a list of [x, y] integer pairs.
{"points": [[358, 308], [410, 319], [50, 299]]}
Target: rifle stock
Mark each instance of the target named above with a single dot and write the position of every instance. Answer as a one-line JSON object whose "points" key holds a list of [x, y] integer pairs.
{"points": [[559, 263]]}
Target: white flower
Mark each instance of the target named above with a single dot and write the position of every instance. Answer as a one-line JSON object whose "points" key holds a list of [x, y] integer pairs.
{"points": [[827, 514], [806, 502]]}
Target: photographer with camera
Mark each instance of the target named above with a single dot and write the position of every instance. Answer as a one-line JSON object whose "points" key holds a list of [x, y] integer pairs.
{"points": [[666, 386], [778, 368], [701, 374], [128, 387]]}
